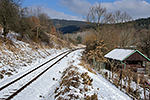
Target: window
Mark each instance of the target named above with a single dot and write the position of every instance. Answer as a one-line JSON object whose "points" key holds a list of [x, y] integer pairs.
{"points": [[144, 64]]}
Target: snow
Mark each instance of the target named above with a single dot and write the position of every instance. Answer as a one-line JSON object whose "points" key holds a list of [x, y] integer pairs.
{"points": [[119, 54], [106, 89], [21, 55], [44, 87], [133, 84]]}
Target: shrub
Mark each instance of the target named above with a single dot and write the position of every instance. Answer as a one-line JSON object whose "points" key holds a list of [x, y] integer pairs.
{"points": [[92, 97]]}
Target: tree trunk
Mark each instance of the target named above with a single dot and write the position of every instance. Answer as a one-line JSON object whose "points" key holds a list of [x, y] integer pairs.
{"points": [[37, 32], [144, 85], [5, 32]]}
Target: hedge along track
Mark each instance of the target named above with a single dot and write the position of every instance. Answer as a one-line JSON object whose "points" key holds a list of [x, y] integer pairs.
{"points": [[15, 91]]}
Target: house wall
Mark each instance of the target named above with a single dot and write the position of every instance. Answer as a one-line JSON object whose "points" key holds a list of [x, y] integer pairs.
{"points": [[148, 68], [137, 68], [137, 63], [136, 57]]}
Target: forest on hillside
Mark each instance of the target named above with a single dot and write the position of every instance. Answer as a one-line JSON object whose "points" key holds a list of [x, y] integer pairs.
{"points": [[143, 23], [133, 34], [28, 22], [60, 23], [112, 30], [115, 29], [68, 26]]}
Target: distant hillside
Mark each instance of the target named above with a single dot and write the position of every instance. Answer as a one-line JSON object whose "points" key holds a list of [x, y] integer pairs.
{"points": [[69, 29], [68, 26], [143, 23]]}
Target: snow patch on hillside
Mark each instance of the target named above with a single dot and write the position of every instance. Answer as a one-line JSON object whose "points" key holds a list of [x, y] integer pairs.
{"points": [[16, 56]]}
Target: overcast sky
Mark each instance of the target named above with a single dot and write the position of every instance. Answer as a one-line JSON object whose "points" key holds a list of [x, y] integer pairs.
{"points": [[73, 9]]}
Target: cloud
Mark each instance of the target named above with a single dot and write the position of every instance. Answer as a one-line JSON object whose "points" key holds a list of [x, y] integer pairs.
{"points": [[135, 8], [59, 15], [53, 14], [77, 6]]}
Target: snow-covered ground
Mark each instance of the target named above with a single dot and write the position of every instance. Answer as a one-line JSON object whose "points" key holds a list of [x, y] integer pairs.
{"points": [[26, 57], [133, 85], [100, 86], [16, 56], [44, 87]]}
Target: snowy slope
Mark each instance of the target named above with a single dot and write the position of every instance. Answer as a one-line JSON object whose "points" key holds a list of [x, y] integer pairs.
{"points": [[25, 57], [105, 90], [44, 87], [16, 56]]}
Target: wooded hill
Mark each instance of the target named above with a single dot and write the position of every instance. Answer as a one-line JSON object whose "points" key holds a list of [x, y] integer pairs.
{"points": [[68, 26], [143, 23], [133, 34]]}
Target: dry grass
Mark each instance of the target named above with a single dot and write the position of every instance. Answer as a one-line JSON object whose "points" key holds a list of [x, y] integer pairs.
{"points": [[17, 53], [92, 97], [70, 84], [86, 79], [70, 78], [60, 42], [87, 66]]}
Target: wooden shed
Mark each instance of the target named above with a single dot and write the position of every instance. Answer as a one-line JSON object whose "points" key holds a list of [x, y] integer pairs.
{"points": [[129, 58]]}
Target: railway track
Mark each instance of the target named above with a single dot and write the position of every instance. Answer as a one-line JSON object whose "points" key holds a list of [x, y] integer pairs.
{"points": [[12, 88]]}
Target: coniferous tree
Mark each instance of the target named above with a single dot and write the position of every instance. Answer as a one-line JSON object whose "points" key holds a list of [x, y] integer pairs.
{"points": [[79, 39]]}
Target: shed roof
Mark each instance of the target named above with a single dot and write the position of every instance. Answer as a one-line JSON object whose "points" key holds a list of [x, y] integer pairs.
{"points": [[122, 54]]}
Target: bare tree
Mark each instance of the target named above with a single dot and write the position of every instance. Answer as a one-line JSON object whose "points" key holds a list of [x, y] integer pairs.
{"points": [[98, 15], [120, 17], [43, 17], [126, 38], [117, 15], [113, 65], [40, 21], [144, 42], [9, 14], [34, 11], [126, 17], [45, 21]]}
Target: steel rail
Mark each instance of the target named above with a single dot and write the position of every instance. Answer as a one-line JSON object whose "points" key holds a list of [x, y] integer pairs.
{"points": [[8, 84], [24, 86], [27, 84]]}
